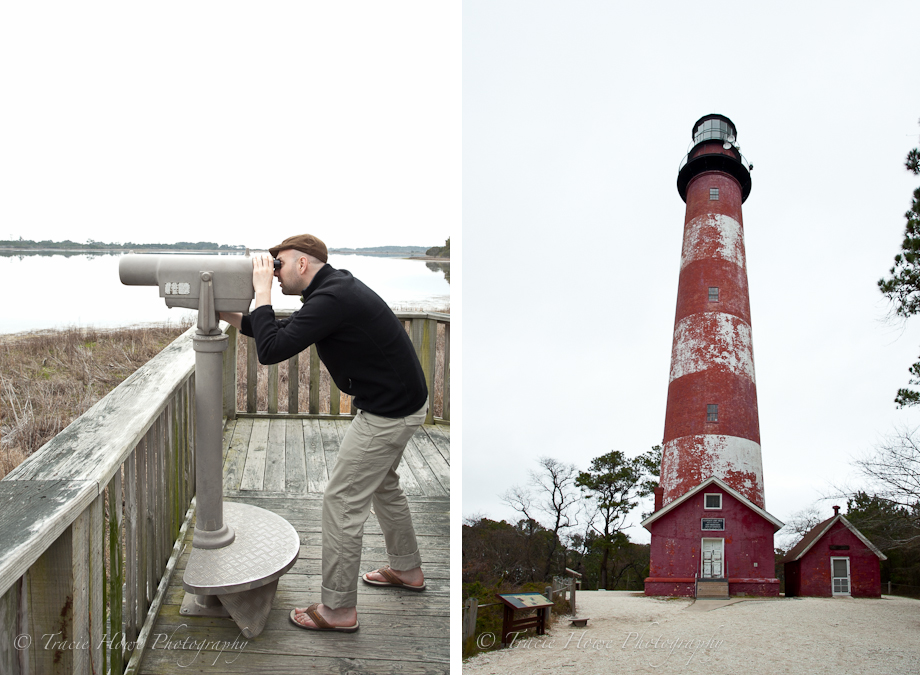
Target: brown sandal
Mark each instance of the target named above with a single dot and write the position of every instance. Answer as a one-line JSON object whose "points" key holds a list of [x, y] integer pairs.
{"points": [[391, 580], [319, 621]]}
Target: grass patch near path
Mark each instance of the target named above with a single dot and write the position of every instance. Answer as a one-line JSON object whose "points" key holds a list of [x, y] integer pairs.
{"points": [[49, 378]]}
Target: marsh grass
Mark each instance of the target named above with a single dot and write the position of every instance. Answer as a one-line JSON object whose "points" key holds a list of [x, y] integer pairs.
{"points": [[49, 378]]}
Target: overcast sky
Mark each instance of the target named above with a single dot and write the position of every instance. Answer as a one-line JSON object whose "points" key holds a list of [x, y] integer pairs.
{"points": [[576, 116], [241, 123]]}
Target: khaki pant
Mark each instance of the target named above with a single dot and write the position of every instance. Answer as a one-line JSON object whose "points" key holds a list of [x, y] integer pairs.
{"points": [[365, 473]]}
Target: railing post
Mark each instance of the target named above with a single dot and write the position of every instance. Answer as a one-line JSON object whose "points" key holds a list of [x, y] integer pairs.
{"points": [[424, 336], [252, 376], [314, 380], [445, 387], [230, 373]]}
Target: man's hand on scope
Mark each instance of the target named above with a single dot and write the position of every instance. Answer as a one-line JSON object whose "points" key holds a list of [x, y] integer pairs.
{"points": [[263, 271]]}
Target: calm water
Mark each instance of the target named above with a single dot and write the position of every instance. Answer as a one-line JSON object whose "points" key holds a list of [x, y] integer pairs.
{"points": [[49, 291]]}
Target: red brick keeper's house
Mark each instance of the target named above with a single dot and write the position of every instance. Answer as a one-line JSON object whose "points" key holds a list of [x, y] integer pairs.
{"points": [[834, 559]]}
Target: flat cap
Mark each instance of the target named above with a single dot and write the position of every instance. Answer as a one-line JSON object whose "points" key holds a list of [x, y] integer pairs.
{"points": [[306, 243]]}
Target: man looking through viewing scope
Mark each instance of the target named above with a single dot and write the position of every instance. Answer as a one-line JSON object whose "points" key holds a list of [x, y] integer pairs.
{"points": [[370, 356]]}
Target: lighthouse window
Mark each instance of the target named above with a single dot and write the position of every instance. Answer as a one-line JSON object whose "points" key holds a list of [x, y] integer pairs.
{"points": [[713, 194], [712, 501], [713, 294], [712, 412]]}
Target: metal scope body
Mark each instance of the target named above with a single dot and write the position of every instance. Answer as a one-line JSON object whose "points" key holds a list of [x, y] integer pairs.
{"points": [[178, 277]]}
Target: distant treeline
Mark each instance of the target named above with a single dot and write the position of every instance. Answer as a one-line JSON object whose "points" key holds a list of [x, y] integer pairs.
{"points": [[380, 250], [92, 245], [440, 251]]}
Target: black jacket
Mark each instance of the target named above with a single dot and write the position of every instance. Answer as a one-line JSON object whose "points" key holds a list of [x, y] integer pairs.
{"points": [[364, 346]]}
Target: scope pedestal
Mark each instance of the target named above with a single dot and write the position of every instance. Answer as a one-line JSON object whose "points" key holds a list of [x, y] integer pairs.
{"points": [[238, 551]]}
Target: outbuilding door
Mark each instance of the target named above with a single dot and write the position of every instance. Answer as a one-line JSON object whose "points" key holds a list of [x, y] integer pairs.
{"points": [[713, 557], [840, 576]]}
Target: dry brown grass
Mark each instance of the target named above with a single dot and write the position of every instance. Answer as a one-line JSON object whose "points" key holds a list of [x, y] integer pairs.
{"points": [[49, 378]]}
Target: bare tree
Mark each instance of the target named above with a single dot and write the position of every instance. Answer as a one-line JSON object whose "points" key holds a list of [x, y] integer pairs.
{"points": [[798, 525], [893, 468], [550, 492]]}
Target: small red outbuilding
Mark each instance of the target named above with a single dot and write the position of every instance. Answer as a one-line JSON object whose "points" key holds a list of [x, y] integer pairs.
{"points": [[834, 558]]}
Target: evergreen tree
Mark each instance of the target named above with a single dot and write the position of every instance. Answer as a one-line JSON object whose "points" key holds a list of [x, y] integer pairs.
{"points": [[903, 288]]}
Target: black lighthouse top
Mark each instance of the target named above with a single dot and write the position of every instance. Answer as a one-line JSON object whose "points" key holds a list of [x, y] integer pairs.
{"points": [[714, 148]]}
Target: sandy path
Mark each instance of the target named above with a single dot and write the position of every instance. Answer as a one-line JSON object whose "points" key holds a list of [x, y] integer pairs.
{"points": [[628, 633]]}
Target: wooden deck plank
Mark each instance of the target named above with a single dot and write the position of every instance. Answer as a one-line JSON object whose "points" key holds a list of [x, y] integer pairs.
{"points": [[295, 473], [317, 472], [429, 454], [440, 436], [254, 471], [275, 456], [330, 442], [236, 453], [427, 480], [401, 631]]}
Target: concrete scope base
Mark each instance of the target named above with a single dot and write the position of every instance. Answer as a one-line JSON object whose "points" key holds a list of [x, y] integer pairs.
{"points": [[243, 576]]}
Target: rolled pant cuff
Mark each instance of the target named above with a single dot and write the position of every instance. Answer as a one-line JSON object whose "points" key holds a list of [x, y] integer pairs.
{"points": [[336, 599], [402, 563]]}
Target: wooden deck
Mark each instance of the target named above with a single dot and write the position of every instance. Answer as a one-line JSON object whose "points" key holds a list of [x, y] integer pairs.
{"points": [[282, 464]]}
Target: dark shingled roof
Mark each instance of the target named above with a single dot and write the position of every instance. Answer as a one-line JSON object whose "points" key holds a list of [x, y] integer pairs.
{"points": [[819, 531]]}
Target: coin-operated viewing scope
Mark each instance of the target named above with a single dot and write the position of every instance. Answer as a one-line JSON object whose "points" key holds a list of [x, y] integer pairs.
{"points": [[180, 279]]}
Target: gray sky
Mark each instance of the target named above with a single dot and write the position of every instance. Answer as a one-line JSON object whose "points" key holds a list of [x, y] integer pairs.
{"points": [[225, 121], [575, 118]]}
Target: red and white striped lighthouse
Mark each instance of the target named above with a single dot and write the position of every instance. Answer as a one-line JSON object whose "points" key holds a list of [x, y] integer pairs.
{"points": [[711, 425], [709, 529]]}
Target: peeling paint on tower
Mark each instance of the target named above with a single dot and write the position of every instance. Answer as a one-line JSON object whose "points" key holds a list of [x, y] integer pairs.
{"points": [[710, 520]]}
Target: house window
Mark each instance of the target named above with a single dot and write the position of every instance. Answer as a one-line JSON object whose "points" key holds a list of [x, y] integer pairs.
{"points": [[712, 501], [712, 412], [713, 194], [713, 294]]}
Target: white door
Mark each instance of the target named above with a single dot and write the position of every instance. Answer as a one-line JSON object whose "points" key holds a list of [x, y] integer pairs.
{"points": [[840, 576], [713, 567]]}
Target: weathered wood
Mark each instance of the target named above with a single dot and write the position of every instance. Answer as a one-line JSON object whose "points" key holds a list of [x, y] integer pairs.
{"points": [[426, 478], [314, 380], [235, 461], [131, 561], [295, 471], [48, 590], [294, 384], [80, 589], [424, 333], [252, 375], [34, 515], [273, 388], [116, 577], [335, 398], [11, 654], [254, 470], [97, 443], [327, 429], [440, 437], [428, 453], [96, 575], [445, 387], [143, 548], [317, 470], [274, 457], [230, 374]]}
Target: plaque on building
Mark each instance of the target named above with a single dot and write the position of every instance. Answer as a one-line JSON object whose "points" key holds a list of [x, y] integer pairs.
{"points": [[713, 524]]}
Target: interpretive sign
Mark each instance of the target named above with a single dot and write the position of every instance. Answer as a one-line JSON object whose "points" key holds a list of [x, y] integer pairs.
{"points": [[712, 524], [521, 602]]}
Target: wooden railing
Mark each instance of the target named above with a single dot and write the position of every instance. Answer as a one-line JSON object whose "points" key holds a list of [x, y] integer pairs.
{"points": [[90, 523], [306, 386]]}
